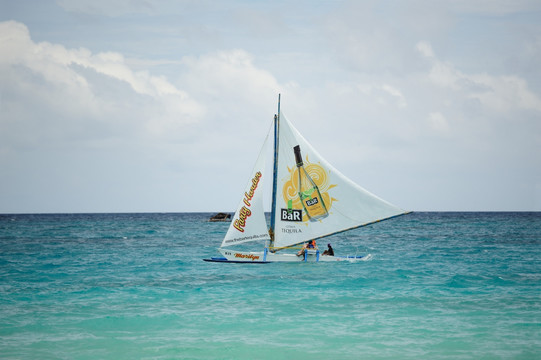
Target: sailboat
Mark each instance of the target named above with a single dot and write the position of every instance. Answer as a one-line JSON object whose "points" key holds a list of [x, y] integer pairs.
{"points": [[311, 200]]}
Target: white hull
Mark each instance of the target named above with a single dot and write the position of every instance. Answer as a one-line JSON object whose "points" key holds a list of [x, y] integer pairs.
{"points": [[267, 256]]}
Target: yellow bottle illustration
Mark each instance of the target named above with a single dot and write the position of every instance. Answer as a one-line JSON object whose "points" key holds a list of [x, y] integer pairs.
{"points": [[309, 194]]}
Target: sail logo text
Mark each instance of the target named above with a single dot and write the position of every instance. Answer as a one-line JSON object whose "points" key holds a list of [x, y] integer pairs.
{"points": [[291, 231], [245, 211], [291, 215], [247, 256]]}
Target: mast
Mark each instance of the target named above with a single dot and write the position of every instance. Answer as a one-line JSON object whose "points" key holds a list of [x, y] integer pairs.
{"points": [[275, 174]]}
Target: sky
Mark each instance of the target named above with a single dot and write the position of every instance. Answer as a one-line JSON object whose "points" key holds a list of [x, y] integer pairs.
{"points": [[162, 106]]}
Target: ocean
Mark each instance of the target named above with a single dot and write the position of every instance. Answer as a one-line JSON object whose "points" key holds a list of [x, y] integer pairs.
{"points": [[134, 286]]}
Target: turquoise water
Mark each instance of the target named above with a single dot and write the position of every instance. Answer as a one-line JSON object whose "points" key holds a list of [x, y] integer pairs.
{"points": [[133, 286]]}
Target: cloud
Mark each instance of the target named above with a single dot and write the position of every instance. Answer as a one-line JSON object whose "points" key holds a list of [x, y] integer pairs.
{"points": [[73, 115], [397, 94], [425, 49], [497, 93], [233, 88], [50, 91], [438, 122], [225, 70]]}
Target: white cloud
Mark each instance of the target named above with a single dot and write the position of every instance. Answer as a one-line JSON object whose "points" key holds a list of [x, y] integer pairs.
{"points": [[234, 89], [438, 122], [397, 94], [50, 90], [95, 106], [495, 92], [504, 93], [227, 70], [425, 49], [383, 94]]}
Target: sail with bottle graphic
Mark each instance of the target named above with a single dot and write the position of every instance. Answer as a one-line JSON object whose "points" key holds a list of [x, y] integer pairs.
{"points": [[309, 194], [310, 200], [327, 202]]}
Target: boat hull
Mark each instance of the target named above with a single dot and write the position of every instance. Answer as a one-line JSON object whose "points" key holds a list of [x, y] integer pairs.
{"points": [[264, 257], [224, 260]]}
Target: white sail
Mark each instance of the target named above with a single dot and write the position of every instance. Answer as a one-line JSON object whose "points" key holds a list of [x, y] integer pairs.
{"points": [[339, 203], [249, 222]]}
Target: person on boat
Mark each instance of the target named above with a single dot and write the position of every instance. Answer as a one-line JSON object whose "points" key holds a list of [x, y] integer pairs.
{"points": [[329, 251], [309, 245]]}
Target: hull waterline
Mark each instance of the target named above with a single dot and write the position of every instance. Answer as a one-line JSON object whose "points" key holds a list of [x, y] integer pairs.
{"points": [[265, 257]]}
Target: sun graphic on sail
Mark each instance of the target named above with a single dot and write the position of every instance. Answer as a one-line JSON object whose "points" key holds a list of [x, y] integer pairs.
{"points": [[307, 188]]}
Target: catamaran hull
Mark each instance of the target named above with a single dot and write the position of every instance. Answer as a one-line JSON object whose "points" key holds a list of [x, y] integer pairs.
{"points": [[264, 257]]}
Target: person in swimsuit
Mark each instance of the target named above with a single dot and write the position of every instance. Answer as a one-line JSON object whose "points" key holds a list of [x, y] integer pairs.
{"points": [[309, 245], [329, 251]]}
